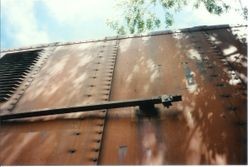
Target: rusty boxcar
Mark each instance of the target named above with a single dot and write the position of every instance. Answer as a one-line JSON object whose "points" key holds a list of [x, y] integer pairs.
{"points": [[167, 97]]}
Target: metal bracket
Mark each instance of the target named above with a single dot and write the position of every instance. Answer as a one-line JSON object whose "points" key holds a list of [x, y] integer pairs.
{"points": [[144, 104], [167, 100]]}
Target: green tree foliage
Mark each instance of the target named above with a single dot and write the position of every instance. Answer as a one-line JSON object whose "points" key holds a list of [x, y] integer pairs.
{"points": [[138, 16]]}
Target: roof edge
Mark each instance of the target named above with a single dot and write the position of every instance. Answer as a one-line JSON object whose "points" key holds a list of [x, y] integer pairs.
{"points": [[119, 37]]}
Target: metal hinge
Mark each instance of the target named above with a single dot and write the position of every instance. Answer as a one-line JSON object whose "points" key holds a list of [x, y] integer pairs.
{"points": [[144, 104]]}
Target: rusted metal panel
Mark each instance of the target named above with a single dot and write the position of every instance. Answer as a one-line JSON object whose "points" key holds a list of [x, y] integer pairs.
{"points": [[71, 68], [48, 142], [203, 129], [207, 127], [73, 75]]}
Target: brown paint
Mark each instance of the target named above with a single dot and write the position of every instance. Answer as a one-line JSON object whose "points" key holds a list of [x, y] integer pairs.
{"points": [[207, 127]]}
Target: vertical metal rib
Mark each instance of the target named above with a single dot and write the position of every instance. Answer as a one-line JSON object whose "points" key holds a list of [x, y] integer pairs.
{"points": [[110, 70]]}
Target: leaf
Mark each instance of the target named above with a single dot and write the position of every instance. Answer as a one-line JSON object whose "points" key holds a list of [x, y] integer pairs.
{"points": [[139, 16], [168, 19]]}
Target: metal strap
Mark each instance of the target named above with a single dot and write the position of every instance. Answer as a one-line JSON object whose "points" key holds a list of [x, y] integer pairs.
{"points": [[164, 99]]}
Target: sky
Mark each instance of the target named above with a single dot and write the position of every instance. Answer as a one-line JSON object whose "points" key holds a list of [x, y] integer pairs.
{"points": [[32, 22]]}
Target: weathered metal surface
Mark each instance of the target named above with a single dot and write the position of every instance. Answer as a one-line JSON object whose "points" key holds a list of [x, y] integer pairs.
{"points": [[207, 66], [203, 129], [73, 75]]}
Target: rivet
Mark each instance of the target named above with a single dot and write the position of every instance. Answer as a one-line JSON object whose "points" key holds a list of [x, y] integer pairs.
{"points": [[77, 133], [71, 151], [100, 124], [96, 149], [99, 132]]}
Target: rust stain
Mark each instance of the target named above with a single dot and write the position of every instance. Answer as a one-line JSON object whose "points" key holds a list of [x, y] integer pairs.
{"points": [[203, 130], [207, 67]]}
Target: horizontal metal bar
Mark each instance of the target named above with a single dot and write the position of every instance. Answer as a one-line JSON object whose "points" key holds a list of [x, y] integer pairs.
{"points": [[164, 99]]}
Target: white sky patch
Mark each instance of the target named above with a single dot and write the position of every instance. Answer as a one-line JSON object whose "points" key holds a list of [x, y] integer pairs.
{"points": [[68, 11], [80, 17], [201, 16], [22, 22]]}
